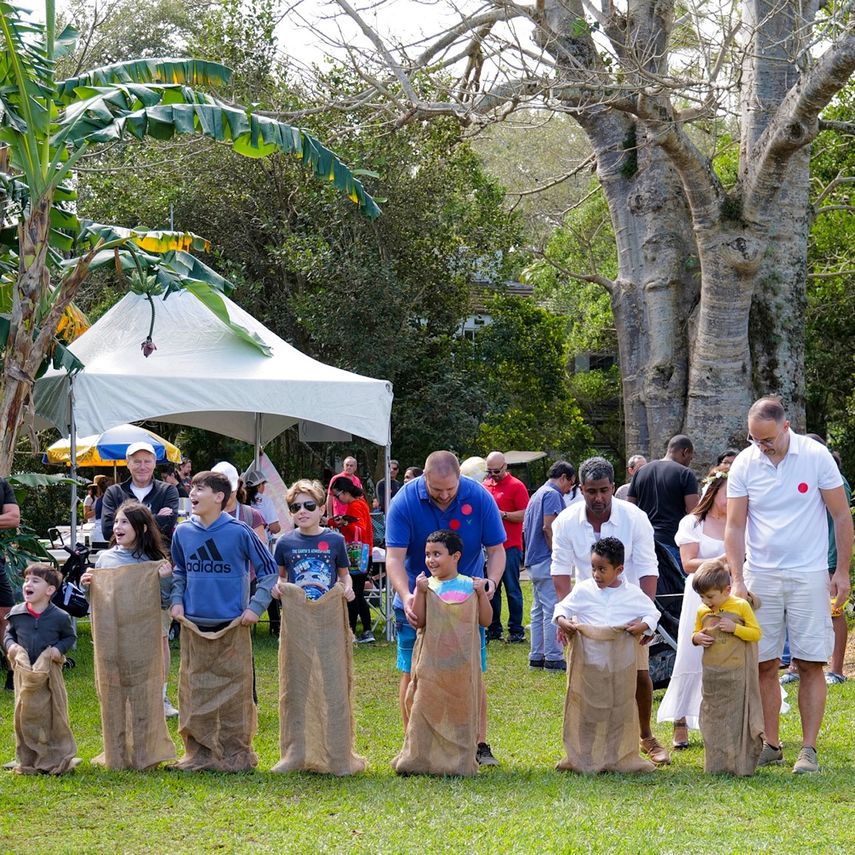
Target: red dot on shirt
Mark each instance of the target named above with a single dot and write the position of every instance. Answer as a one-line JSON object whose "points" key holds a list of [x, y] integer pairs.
{"points": [[466, 509], [322, 544], [803, 488], [454, 524]]}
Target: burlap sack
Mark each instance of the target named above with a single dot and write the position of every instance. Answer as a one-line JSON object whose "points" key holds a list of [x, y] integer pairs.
{"points": [[444, 695], [731, 711], [601, 732], [43, 740], [217, 718], [126, 635], [316, 730]]}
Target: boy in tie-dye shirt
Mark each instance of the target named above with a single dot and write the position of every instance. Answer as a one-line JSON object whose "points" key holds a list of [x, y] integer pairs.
{"points": [[443, 550]]}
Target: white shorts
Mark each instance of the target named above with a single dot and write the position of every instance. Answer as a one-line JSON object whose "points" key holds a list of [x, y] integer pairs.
{"points": [[793, 603]]}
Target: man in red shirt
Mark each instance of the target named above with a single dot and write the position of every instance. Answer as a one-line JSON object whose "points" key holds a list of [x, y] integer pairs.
{"points": [[511, 496]]}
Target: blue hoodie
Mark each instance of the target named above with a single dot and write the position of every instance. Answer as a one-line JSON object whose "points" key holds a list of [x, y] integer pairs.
{"points": [[212, 570]]}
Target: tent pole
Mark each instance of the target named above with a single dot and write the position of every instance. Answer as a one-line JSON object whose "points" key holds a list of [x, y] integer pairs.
{"points": [[72, 434], [257, 458], [387, 497], [387, 456]]}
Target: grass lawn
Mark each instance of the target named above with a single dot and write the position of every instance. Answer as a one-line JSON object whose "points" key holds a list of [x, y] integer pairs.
{"points": [[521, 806]]}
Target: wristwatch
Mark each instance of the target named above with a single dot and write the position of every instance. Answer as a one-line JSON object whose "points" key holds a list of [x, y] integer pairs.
{"points": [[504, 515]]}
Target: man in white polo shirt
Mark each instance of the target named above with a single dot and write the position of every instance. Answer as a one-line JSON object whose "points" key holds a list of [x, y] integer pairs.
{"points": [[778, 490], [575, 531]]}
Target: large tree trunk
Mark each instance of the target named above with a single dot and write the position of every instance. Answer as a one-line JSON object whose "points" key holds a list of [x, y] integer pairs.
{"points": [[657, 284]]}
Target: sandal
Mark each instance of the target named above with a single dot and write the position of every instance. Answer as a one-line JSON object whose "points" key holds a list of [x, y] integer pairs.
{"points": [[834, 679], [681, 737]]}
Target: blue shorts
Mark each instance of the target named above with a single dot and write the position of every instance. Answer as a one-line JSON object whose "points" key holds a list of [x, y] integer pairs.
{"points": [[407, 638]]}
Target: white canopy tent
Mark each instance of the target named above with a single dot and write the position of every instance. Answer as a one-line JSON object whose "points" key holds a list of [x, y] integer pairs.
{"points": [[204, 375]]}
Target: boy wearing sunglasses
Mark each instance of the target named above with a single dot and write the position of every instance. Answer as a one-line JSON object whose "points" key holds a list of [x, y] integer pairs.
{"points": [[312, 557]]}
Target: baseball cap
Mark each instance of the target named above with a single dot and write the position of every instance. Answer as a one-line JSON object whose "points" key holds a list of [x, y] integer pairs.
{"points": [[226, 468], [134, 447], [253, 477]]}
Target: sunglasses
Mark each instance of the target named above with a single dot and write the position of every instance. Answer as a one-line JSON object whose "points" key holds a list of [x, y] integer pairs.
{"points": [[296, 506], [495, 471]]}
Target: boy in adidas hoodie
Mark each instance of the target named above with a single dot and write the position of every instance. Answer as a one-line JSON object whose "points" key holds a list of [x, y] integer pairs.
{"points": [[212, 556]]}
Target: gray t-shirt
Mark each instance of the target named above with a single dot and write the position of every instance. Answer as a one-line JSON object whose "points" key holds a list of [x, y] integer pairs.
{"points": [[312, 561], [119, 556]]}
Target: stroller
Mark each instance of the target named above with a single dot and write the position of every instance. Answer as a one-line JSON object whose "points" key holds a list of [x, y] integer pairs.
{"points": [[669, 601], [70, 597]]}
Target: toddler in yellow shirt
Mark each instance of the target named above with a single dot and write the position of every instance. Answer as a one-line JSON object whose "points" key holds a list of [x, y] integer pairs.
{"points": [[731, 718]]}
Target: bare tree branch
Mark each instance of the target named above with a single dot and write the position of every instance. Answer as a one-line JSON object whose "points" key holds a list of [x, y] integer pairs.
{"points": [[840, 127], [796, 122], [594, 278], [700, 182]]}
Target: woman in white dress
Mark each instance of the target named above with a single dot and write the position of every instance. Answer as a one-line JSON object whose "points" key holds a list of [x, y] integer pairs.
{"points": [[700, 536]]}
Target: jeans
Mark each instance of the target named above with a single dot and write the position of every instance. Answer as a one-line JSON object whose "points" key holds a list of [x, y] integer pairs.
{"points": [[544, 645], [511, 583]]}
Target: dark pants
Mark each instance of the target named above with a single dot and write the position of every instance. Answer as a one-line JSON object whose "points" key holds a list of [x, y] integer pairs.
{"points": [[7, 592], [511, 583], [358, 607], [674, 552]]}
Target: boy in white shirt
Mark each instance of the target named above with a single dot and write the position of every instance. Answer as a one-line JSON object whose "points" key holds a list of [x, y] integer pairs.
{"points": [[606, 620], [606, 599]]}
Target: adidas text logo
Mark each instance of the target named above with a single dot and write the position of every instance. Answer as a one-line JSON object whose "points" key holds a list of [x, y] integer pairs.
{"points": [[207, 559]]}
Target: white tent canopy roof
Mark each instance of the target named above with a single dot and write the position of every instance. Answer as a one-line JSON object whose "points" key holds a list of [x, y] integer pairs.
{"points": [[203, 375]]}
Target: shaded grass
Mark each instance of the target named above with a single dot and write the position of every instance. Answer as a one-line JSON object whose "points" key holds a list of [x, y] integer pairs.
{"points": [[521, 806]]}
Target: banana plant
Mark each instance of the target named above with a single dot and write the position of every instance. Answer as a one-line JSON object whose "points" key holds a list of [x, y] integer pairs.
{"points": [[46, 251]]}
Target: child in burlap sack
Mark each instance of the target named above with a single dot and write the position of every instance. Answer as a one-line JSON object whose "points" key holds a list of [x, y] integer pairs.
{"points": [[731, 717], [131, 584], [443, 698], [212, 556], [136, 540], [316, 729], [38, 635], [604, 620]]}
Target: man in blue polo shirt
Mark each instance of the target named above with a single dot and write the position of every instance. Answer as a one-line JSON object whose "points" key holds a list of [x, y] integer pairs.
{"points": [[441, 498]]}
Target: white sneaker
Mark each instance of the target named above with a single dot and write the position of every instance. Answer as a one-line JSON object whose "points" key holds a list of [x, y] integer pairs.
{"points": [[168, 709]]}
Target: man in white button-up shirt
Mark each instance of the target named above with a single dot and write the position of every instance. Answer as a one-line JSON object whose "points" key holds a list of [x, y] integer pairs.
{"points": [[574, 532], [778, 491]]}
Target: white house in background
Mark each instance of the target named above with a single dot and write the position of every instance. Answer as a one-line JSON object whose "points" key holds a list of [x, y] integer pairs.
{"points": [[479, 295]]}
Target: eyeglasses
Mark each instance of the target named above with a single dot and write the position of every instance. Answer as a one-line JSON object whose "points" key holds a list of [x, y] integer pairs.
{"points": [[766, 443], [296, 506], [496, 471]]}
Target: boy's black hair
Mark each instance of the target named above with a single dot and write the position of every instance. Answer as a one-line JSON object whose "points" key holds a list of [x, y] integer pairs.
{"points": [[216, 481], [45, 571], [452, 541], [712, 575], [611, 549]]}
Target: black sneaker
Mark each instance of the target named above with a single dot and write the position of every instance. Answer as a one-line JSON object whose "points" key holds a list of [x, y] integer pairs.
{"points": [[484, 756], [555, 665], [516, 639], [536, 663], [492, 636]]}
